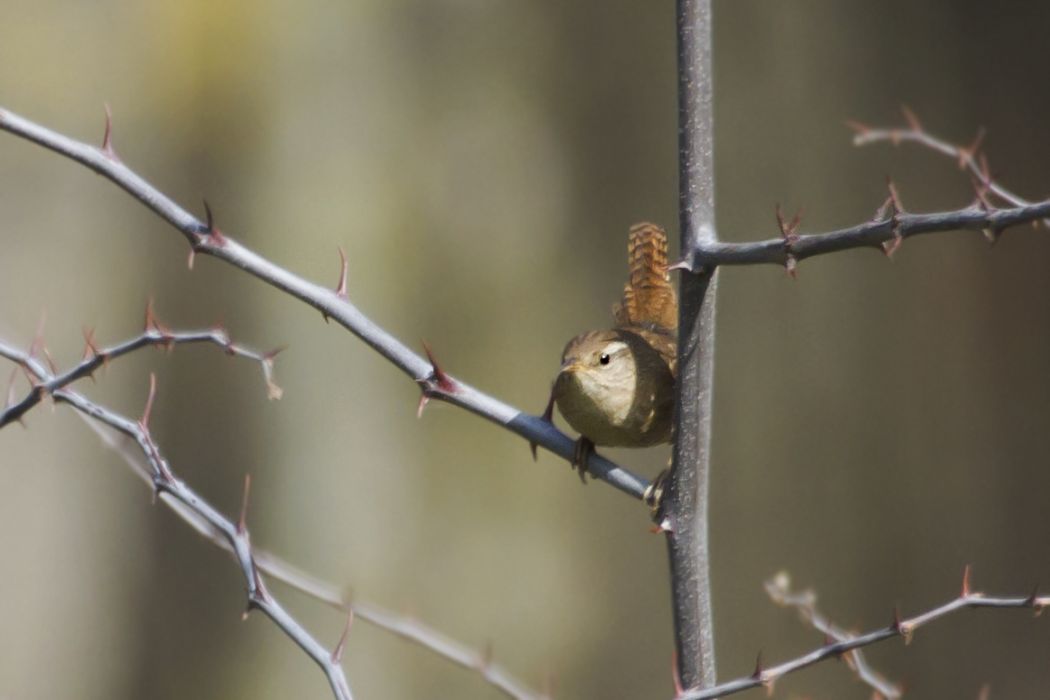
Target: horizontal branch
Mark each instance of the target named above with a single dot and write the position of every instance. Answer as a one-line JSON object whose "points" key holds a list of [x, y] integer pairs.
{"points": [[904, 628], [52, 383], [873, 234], [154, 335], [206, 238]]}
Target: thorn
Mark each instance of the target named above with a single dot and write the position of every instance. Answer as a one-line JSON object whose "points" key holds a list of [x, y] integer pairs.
{"points": [[260, 588], [423, 401], [485, 658], [190, 258], [893, 204], [107, 137], [789, 232], [144, 421], [548, 416], [676, 676], [965, 592], [90, 346], [150, 323], [50, 360], [212, 230], [274, 353], [337, 653], [1033, 601], [340, 290], [860, 129], [850, 659], [913, 121], [759, 670], [38, 337], [444, 382], [684, 264], [966, 153], [273, 391], [242, 521]]}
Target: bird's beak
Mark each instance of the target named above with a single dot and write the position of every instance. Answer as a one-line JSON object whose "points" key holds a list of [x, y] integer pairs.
{"points": [[569, 365]]}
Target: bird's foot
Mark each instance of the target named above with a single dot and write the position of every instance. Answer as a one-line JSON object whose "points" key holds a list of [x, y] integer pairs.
{"points": [[654, 492], [581, 455]]}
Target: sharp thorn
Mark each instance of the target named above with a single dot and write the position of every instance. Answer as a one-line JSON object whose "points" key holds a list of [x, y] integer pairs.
{"points": [[107, 136], [242, 521], [913, 121], [144, 421], [683, 264], [337, 653], [340, 289], [212, 230], [759, 669], [444, 382]]}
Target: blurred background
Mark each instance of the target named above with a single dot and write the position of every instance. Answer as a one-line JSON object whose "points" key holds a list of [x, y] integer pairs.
{"points": [[878, 424]]}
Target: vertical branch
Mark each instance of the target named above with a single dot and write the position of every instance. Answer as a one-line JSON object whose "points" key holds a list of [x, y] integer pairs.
{"points": [[685, 511]]}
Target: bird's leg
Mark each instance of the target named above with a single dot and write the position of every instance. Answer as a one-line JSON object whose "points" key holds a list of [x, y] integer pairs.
{"points": [[654, 492], [581, 455], [548, 415]]}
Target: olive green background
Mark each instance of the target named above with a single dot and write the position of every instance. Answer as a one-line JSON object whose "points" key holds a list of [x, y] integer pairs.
{"points": [[878, 425]]}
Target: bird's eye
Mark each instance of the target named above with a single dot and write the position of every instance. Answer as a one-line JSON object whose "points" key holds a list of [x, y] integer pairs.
{"points": [[604, 358]]}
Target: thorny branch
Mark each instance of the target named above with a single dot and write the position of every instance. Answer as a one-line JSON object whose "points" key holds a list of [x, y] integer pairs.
{"points": [[840, 648], [53, 383], [154, 334], [805, 603], [170, 489], [968, 157], [206, 238], [891, 224]]}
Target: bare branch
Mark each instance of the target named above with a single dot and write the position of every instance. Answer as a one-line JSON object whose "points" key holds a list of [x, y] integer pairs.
{"points": [[872, 234], [262, 561], [968, 157], [172, 490], [154, 335], [805, 602], [206, 238], [904, 628]]}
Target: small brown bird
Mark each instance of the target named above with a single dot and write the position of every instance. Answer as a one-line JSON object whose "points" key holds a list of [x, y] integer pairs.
{"points": [[616, 387]]}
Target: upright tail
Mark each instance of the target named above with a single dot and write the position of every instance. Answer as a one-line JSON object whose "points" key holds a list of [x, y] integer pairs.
{"points": [[649, 299]]}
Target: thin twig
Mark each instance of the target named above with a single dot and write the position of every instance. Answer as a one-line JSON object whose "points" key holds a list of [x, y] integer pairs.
{"points": [[138, 459], [968, 157], [156, 336], [205, 237], [904, 628], [170, 489], [805, 603]]}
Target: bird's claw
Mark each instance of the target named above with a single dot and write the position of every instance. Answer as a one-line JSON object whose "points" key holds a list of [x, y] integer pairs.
{"points": [[581, 456]]}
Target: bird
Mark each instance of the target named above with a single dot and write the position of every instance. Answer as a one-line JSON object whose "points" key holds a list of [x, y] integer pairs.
{"points": [[616, 386]]}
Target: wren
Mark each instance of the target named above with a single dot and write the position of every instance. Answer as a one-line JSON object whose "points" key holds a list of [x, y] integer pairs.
{"points": [[616, 386]]}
